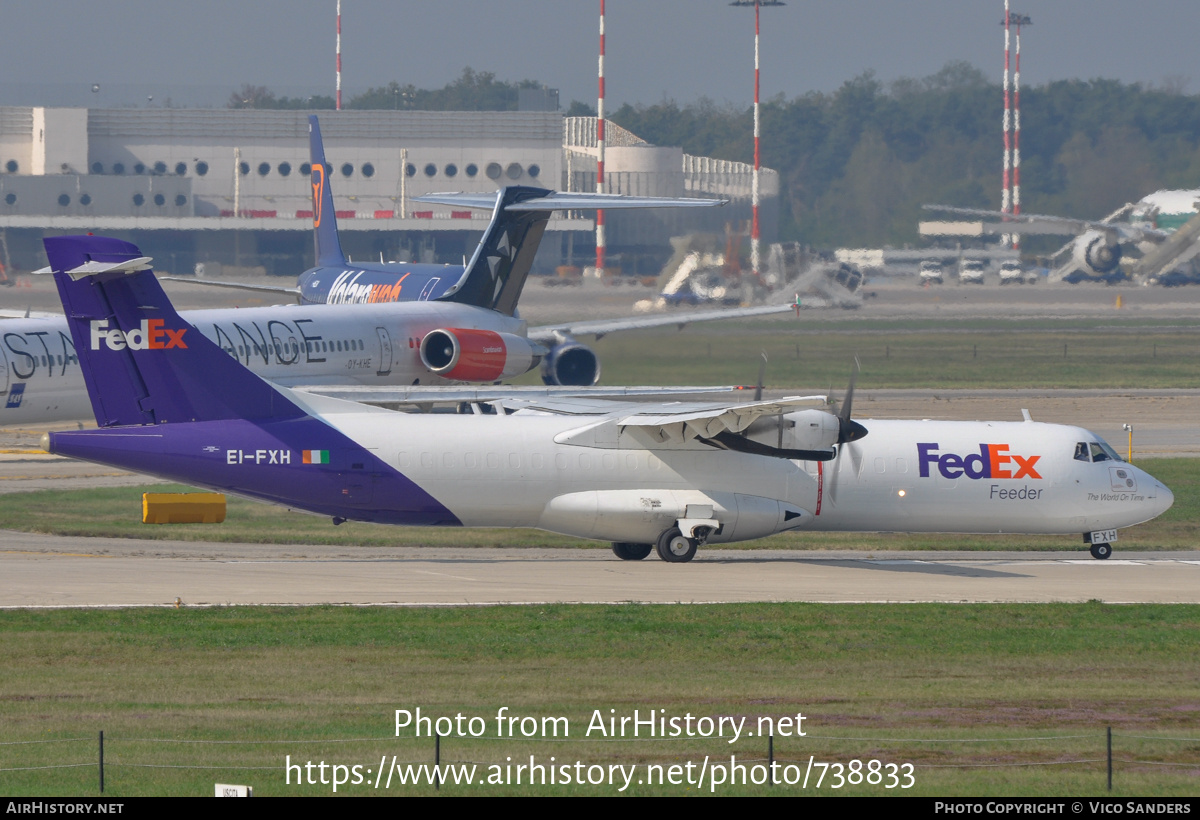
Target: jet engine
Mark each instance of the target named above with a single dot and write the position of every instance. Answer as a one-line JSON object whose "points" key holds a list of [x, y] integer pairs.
{"points": [[1095, 252], [571, 364], [469, 354]]}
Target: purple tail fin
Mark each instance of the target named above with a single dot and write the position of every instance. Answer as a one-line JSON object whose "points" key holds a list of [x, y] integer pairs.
{"points": [[143, 364], [325, 231]]}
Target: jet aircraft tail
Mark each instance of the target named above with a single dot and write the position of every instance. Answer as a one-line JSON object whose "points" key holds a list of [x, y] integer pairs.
{"points": [[325, 232], [500, 265], [143, 364]]}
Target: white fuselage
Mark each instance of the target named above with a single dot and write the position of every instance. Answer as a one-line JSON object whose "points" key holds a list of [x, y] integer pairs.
{"points": [[586, 476], [40, 379]]}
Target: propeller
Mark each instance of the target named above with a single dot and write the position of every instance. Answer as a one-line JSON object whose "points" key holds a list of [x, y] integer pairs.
{"points": [[848, 431], [762, 369]]}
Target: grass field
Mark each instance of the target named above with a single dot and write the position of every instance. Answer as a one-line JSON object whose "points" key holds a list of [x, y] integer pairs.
{"points": [[958, 353], [116, 512], [874, 682]]}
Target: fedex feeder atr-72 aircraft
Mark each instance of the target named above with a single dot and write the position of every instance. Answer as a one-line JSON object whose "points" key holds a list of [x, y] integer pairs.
{"points": [[667, 476]]}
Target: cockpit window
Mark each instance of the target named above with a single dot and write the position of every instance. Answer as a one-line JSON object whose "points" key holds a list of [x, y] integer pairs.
{"points": [[1095, 451]]}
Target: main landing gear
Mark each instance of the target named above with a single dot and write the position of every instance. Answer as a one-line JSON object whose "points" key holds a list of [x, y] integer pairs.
{"points": [[631, 552], [673, 546], [1101, 551]]}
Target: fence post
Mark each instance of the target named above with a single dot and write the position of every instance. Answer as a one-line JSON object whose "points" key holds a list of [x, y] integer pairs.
{"points": [[1110, 758], [437, 762], [101, 761], [771, 759]]}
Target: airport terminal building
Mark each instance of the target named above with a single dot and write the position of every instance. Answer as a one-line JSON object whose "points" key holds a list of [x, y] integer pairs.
{"points": [[230, 188]]}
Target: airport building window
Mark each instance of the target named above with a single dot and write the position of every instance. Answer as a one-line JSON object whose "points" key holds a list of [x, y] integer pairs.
{"points": [[347, 169], [430, 169], [85, 199], [305, 169], [118, 168], [494, 170], [451, 170], [97, 167], [201, 168], [139, 168], [180, 169], [410, 170], [285, 168], [264, 168], [180, 200], [64, 200], [11, 166], [160, 200], [368, 170], [10, 199], [244, 168], [472, 169], [534, 170], [160, 167], [139, 200], [513, 171]]}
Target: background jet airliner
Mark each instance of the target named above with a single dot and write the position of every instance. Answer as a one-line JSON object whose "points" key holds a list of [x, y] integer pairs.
{"points": [[173, 404], [391, 353], [1164, 227], [492, 278]]}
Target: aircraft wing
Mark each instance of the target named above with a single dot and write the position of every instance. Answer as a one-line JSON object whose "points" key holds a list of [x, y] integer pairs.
{"points": [[711, 422], [600, 327], [290, 291], [585, 399], [29, 314], [1014, 222], [560, 201]]}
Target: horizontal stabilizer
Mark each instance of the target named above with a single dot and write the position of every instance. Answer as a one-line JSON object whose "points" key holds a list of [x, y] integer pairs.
{"points": [[559, 201]]}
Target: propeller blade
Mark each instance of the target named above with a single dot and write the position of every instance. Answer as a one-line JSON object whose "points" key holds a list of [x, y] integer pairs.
{"points": [[848, 429], [758, 386]]}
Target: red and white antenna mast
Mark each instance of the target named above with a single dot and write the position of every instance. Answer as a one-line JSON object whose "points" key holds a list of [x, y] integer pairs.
{"points": [[1017, 20], [1005, 189], [601, 242], [754, 232], [339, 55]]}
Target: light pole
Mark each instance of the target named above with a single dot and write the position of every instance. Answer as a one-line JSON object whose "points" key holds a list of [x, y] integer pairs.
{"points": [[754, 232]]}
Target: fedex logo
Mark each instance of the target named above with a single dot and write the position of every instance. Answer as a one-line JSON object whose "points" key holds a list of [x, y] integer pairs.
{"points": [[992, 461], [150, 335]]}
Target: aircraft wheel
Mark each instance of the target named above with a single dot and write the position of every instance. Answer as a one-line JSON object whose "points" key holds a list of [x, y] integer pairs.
{"points": [[1101, 551], [676, 548], [631, 552]]}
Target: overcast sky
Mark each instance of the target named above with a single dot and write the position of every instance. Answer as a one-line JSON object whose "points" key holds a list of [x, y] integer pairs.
{"points": [[53, 51]]}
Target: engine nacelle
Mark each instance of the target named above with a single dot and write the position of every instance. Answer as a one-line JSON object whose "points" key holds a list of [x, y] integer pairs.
{"points": [[571, 364], [472, 355], [1094, 251], [802, 430]]}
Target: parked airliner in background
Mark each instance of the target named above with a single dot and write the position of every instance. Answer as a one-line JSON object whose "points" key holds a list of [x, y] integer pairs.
{"points": [[391, 353], [493, 277], [1164, 227], [171, 403]]}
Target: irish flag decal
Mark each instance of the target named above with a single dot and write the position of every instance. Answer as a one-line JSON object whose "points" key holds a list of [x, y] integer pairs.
{"points": [[316, 456]]}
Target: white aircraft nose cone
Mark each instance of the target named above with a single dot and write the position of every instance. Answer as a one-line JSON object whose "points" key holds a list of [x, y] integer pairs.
{"points": [[1164, 498]]}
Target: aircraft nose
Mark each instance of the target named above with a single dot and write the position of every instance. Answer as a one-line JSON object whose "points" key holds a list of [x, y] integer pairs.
{"points": [[1163, 498]]}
